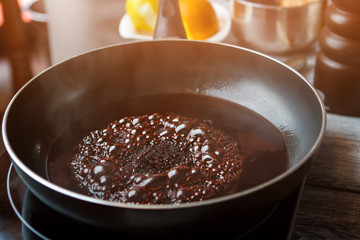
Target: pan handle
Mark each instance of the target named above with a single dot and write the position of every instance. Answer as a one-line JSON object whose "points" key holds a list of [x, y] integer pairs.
{"points": [[169, 23]]}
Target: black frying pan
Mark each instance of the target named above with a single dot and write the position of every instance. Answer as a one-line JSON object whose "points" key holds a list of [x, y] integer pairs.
{"points": [[64, 92]]}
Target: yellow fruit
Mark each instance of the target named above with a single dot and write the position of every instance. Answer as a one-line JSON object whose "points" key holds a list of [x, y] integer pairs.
{"points": [[199, 19], [198, 16], [143, 14]]}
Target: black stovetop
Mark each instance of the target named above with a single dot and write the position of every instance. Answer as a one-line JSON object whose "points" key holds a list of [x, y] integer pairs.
{"points": [[38, 221]]}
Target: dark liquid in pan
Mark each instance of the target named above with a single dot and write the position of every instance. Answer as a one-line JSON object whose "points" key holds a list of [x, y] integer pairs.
{"points": [[264, 148]]}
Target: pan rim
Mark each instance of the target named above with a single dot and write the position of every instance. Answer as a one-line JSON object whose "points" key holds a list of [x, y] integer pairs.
{"points": [[61, 190]]}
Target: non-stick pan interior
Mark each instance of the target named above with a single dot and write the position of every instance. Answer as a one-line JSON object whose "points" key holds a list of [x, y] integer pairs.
{"points": [[63, 93]]}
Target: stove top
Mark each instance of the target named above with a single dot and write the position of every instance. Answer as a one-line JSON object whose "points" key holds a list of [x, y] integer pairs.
{"points": [[32, 219]]}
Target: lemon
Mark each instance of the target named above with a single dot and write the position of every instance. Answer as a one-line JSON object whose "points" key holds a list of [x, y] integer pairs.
{"points": [[199, 19], [143, 14], [198, 16]]}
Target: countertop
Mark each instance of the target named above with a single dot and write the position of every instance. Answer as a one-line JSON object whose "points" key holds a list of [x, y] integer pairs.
{"points": [[330, 204]]}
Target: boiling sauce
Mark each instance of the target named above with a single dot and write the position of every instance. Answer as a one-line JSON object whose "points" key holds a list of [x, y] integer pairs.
{"points": [[264, 154]]}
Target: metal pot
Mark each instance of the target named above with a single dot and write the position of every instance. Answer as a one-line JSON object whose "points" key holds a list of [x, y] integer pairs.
{"points": [[56, 97], [275, 29]]}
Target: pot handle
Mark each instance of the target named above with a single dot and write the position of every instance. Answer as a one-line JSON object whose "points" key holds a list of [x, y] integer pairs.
{"points": [[169, 23]]}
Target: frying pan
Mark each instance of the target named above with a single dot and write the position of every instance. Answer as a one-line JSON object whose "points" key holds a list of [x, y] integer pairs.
{"points": [[52, 100]]}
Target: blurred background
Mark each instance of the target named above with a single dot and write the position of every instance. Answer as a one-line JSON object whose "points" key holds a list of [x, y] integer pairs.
{"points": [[25, 35], [35, 34]]}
